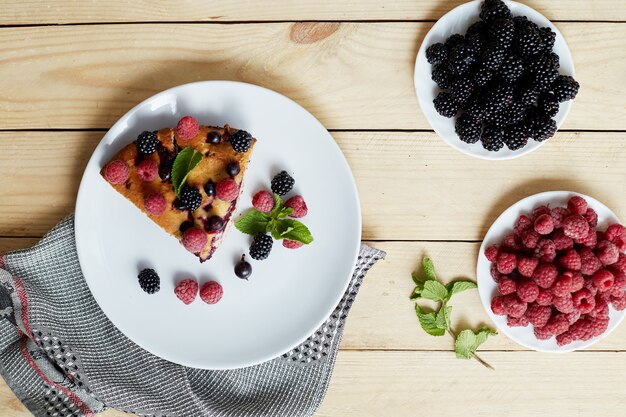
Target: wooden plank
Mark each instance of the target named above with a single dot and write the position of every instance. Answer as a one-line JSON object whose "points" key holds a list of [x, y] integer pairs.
{"points": [[412, 185], [67, 11], [8, 244], [349, 75]]}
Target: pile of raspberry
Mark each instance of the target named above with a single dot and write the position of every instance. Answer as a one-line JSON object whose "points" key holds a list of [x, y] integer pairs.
{"points": [[560, 274]]}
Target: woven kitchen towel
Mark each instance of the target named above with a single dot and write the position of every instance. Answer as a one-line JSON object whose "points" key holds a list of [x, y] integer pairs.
{"points": [[63, 357]]}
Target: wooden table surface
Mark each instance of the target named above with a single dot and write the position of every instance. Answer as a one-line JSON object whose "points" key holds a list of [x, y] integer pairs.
{"points": [[70, 69]]}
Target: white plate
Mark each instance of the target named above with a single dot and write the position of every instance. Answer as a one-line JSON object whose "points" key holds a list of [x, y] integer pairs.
{"points": [[488, 288], [288, 296], [457, 21]]}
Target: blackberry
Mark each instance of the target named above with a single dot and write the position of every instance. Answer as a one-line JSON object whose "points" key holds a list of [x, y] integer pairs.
{"points": [[548, 104], [542, 128], [475, 42], [147, 142], [233, 168], [436, 54], [467, 128], [528, 42], [241, 141], [553, 59], [495, 119], [493, 56], [261, 246], [548, 37], [460, 60], [190, 198], [445, 104], [441, 76], [522, 22], [282, 183], [474, 109], [492, 10], [482, 77], [511, 69], [498, 98], [461, 89], [477, 28], [149, 281], [527, 96], [565, 88], [515, 113], [453, 41], [501, 32], [516, 136], [492, 139], [542, 74]]}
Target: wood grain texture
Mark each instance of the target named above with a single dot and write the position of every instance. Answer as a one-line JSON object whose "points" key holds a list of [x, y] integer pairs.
{"points": [[68, 11], [349, 75], [412, 185]]}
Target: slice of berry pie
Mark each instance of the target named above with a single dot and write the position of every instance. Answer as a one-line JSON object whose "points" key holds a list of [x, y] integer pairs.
{"points": [[201, 211]]}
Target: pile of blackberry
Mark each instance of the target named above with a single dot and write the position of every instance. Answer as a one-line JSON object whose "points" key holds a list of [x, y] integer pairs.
{"points": [[501, 79]]}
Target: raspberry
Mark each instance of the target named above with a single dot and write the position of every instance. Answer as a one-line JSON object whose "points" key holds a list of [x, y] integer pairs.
{"points": [[575, 226], [530, 238], [570, 260], [604, 296], [541, 333], [523, 223], [211, 292], [517, 321], [491, 253], [506, 285], [493, 270], [545, 275], [561, 241], [186, 290], [557, 324], [607, 252], [589, 263], [620, 265], [590, 287], [562, 286], [558, 214], [564, 304], [577, 205], [618, 303], [507, 262], [573, 316], [538, 211], [565, 338], [619, 285], [263, 201], [581, 329], [148, 170], [578, 282], [497, 306], [194, 240], [116, 172], [526, 266], [621, 245], [292, 244], [155, 204], [599, 325], [603, 280], [298, 205], [544, 225], [538, 315], [527, 291], [544, 298], [601, 309], [590, 240], [511, 242], [584, 301], [187, 128], [592, 217], [227, 189], [615, 232], [513, 306], [545, 250]]}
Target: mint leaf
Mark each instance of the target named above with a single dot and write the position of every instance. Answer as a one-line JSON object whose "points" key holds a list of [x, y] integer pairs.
{"points": [[434, 290], [428, 322], [293, 230], [278, 206], [416, 279], [429, 269], [284, 212], [442, 319], [185, 161], [456, 287], [417, 292], [253, 222], [467, 341]]}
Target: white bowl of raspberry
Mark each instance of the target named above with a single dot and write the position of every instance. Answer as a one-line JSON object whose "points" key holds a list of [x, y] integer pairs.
{"points": [[551, 272], [501, 90]]}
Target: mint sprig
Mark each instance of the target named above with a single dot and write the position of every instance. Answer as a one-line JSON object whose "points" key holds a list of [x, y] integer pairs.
{"points": [[185, 161], [437, 322], [275, 223]]}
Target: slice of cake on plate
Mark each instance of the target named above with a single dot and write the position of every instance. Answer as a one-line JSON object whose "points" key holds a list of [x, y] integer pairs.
{"points": [[187, 180]]}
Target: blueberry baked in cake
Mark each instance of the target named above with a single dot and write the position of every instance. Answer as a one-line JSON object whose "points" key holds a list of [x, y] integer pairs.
{"points": [[187, 179]]}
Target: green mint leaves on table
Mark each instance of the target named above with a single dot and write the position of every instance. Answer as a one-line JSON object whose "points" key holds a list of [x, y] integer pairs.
{"points": [[185, 161], [437, 322], [275, 223]]}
